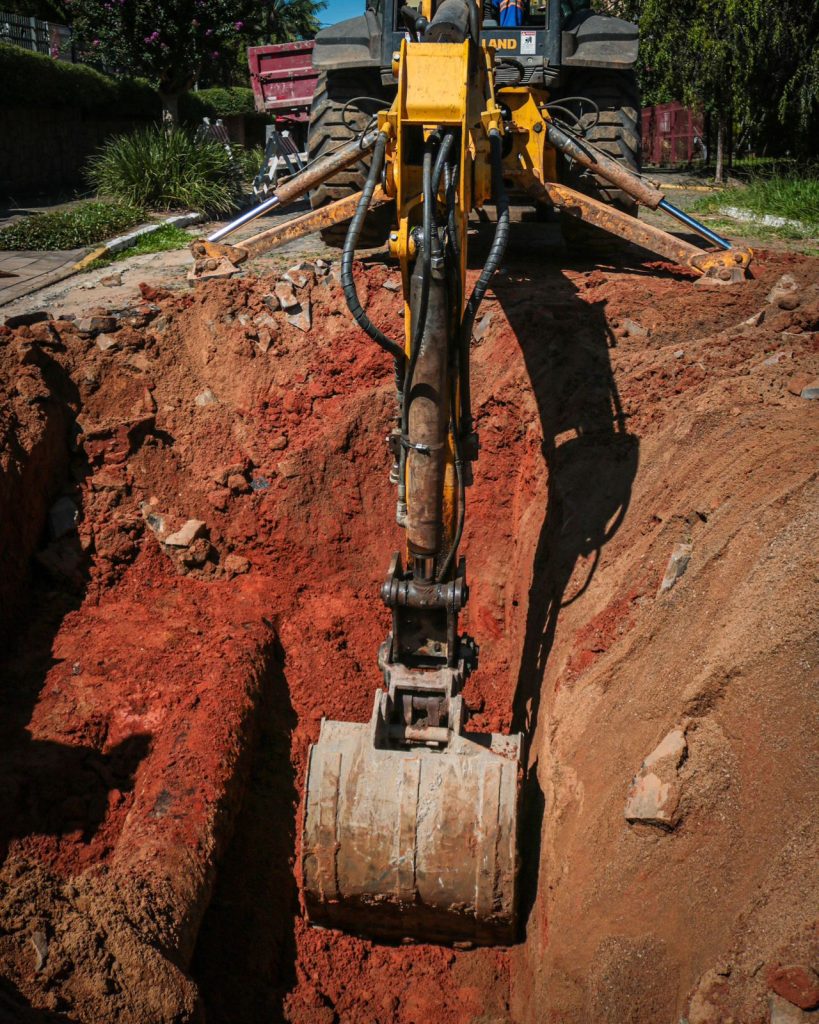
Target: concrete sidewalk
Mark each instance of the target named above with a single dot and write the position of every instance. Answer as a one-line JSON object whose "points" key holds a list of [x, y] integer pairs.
{"points": [[25, 271]]}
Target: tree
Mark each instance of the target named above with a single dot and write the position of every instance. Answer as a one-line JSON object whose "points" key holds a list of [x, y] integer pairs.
{"points": [[174, 42], [752, 64], [700, 52], [284, 21]]}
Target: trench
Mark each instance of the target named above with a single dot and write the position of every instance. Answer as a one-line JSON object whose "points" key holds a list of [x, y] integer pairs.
{"points": [[198, 688]]}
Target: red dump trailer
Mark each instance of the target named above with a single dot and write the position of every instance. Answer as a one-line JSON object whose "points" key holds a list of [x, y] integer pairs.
{"points": [[283, 81], [672, 135]]}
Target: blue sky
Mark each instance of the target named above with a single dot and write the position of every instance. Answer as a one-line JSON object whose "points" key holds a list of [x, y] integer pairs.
{"points": [[338, 10]]}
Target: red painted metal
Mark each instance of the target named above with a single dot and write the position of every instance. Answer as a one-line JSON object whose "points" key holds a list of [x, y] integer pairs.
{"points": [[672, 134], [283, 79]]}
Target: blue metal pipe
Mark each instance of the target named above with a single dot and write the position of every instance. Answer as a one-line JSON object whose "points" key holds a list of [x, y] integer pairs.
{"points": [[690, 222]]}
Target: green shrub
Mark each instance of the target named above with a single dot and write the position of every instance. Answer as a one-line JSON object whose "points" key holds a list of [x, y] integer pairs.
{"points": [[85, 224], [193, 106], [248, 159], [30, 79], [165, 170]]}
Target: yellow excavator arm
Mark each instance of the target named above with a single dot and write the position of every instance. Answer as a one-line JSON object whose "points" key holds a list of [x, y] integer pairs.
{"points": [[410, 823]]}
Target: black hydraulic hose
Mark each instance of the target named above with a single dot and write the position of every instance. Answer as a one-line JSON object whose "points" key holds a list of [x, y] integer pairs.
{"points": [[492, 263], [440, 161], [350, 243], [427, 226]]}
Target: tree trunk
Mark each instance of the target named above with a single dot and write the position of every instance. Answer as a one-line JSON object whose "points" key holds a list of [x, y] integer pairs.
{"points": [[170, 108], [718, 171]]}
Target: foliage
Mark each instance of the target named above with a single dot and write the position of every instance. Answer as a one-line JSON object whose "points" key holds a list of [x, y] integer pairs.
{"points": [[164, 239], [792, 197], [32, 79], [284, 21], [751, 62], [166, 41], [249, 160], [85, 224], [174, 43], [165, 169], [46, 10], [227, 102]]}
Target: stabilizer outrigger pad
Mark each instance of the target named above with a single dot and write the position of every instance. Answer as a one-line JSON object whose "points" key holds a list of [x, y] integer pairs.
{"points": [[412, 834]]}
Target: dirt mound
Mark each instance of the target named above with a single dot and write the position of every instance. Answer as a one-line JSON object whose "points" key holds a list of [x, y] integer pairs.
{"points": [[200, 522]]}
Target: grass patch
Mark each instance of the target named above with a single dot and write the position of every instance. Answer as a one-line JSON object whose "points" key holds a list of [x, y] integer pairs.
{"points": [[164, 239], [85, 224], [167, 170], [795, 198]]}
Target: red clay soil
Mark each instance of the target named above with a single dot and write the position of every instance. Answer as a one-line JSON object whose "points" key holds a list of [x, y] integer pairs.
{"points": [[158, 700]]}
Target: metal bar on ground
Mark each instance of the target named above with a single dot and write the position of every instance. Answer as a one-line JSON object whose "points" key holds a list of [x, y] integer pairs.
{"points": [[693, 223]]}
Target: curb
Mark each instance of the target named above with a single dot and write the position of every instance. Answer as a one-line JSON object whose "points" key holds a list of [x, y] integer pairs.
{"points": [[181, 220]]}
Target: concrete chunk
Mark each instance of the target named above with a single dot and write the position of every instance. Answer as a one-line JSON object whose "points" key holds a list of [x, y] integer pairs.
{"points": [[301, 317], [186, 535], [653, 802], [672, 748], [677, 565], [205, 397], [286, 295]]}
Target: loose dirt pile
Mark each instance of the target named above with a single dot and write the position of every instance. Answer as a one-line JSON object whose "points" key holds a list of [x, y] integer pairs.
{"points": [[195, 526]]}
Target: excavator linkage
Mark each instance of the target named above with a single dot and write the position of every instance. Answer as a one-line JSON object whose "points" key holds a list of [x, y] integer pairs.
{"points": [[410, 820]]}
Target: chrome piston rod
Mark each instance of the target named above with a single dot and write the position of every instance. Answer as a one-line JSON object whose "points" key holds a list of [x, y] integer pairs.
{"points": [[295, 187]]}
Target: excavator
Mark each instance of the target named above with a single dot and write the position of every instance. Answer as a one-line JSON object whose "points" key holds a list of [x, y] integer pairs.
{"points": [[410, 825]]}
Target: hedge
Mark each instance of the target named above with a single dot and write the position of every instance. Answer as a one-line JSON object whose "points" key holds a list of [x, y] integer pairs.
{"points": [[193, 106], [29, 79]]}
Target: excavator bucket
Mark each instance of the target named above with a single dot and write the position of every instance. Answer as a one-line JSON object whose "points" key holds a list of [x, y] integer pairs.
{"points": [[410, 833]]}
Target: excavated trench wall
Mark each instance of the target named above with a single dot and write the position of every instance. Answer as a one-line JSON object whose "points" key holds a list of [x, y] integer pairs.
{"points": [[218, 597]]}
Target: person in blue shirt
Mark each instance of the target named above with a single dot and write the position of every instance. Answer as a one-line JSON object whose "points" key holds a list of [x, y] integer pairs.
{"points": [[510, 13]]}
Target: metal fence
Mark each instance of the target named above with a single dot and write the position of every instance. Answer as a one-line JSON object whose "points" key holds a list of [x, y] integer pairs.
{"points": [[32, 34]]}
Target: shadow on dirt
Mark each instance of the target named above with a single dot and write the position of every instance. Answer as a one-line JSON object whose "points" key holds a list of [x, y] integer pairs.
{"points": [[16, 1009], [591, 461], [47, 787], [244, 962]]}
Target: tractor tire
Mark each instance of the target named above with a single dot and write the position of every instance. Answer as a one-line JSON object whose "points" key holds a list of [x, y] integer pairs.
{"points": [[618, 133], [327, 130]]}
